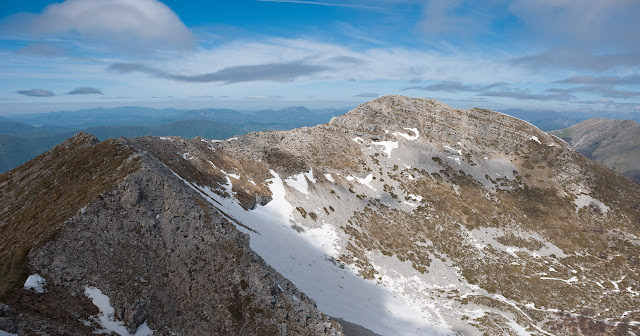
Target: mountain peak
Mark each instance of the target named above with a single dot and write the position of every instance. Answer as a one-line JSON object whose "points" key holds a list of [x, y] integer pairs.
{"points": [[83, 138], [486, 129]]}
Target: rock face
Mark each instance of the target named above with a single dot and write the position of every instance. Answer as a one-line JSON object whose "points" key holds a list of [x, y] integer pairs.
{"points": [[166, 260], [404, 216], [615, 143]]}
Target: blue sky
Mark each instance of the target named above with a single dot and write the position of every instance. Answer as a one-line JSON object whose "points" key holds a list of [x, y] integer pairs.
{"points": [[248, 54]]}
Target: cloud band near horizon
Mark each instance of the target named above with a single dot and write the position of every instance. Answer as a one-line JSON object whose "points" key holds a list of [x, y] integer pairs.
{"points": [[277, 72]]}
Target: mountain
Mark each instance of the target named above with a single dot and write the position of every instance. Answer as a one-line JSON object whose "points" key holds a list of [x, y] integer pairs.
{"points": [[183, 128], [222, 115], [123, 243], [404, 216], [23, 141], [615, 143], [16, 150], [128, 115], [253, 121], [12, 127], [550, 120], [546, 120]]}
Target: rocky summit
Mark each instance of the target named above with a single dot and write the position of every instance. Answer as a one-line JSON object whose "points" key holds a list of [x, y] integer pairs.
{"points": [[402, 217]]}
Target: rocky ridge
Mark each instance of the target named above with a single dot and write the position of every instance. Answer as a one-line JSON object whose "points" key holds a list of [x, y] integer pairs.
{"points": [[167, 261]]}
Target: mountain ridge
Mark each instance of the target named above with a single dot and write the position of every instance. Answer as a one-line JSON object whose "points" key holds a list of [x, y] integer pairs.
{"points": [[407, 216], [136, 238], [612, 142]]}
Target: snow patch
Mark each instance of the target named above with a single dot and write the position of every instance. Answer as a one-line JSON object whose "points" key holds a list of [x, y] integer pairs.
{"points": [[387, 146], [584, 200], [457, 160], [459, 151], [106, 317], [416, 198], [35, 283], [358, 140], [324, 238], [329, 178], [568, 281], [365, 181], [234, 176], [299, 181], [535, 138]]}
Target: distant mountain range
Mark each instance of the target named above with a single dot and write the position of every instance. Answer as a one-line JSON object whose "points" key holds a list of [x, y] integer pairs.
{"points": [[615, 143], [23, 137], [549, 120]]}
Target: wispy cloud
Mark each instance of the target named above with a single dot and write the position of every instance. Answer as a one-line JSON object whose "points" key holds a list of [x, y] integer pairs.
{"points": [[277, 72], [36, 93], [333, 4], [603, 90], [264, 97], [604, 80], [584, 23], [571, 58], [84, 90], [41, 49], [452, 86], [443, 18], [527, 95], [597, 102], [368, 95], [346, 60]]}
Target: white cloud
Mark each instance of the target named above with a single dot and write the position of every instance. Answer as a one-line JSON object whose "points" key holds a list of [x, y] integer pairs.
{"points": [[132, 24], [583, 23], [586, 22], [383, 63]]}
